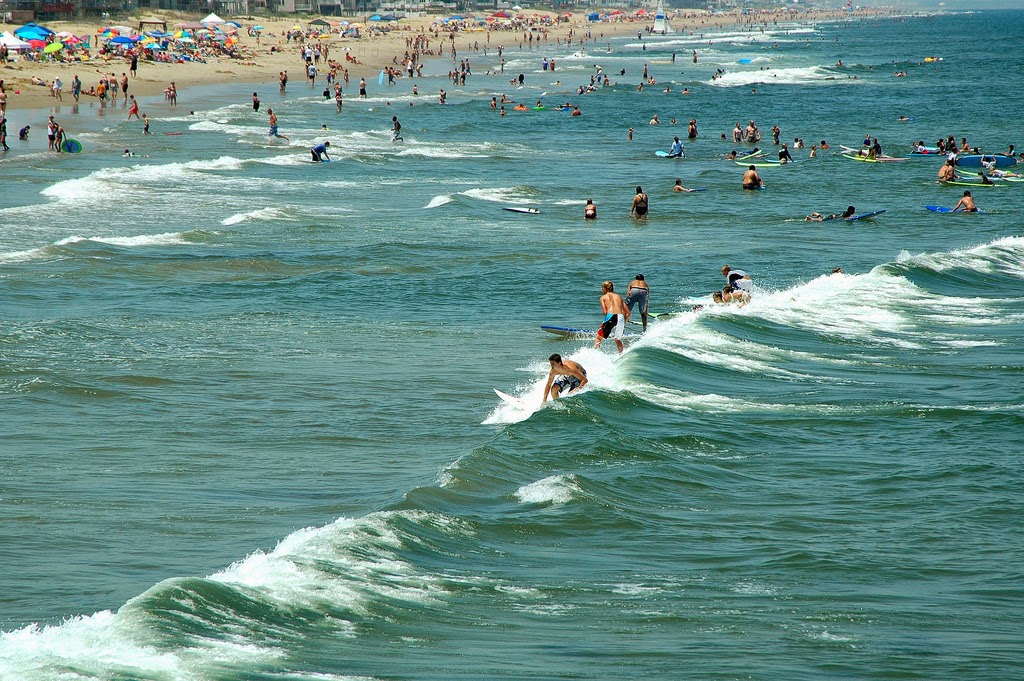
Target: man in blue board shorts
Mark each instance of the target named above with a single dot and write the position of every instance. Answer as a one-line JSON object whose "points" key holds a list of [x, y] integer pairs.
{"points": [[565, 375], [616, 314]]}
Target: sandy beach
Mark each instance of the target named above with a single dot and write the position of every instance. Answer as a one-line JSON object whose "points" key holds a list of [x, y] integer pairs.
{"points": [[262, 60]]}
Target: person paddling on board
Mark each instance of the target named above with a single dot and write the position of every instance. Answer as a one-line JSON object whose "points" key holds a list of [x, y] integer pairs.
{"points": [[818, 217], [565, 375], [319, 152], [966, 204], [751, 180], [677, 149], [616, 314]]}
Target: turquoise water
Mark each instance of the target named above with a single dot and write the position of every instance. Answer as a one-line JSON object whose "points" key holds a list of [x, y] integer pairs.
{"points": [[249, 429]]}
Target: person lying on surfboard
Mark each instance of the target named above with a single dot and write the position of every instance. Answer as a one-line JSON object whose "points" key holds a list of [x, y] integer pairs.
{"points": [[818, 217], [570, 375]]}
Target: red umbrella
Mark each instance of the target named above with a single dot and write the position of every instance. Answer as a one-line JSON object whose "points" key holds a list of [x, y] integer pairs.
{"points": [[37, 44]]}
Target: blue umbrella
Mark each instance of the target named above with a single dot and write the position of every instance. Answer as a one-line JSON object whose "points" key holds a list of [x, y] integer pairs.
{"points": [[122, 40]]}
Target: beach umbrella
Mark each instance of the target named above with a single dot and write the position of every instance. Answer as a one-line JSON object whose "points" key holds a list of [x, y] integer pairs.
{"points": [[121, 40], [260, 28], [233, 23], [123, 30], [155, 46], [455, 17], [185, 40], [36, 44], [53, 47]]}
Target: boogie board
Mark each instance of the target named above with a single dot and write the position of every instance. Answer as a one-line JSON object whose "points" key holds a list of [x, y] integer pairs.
{"points": [[380, 78], [516, 209], [697, 189], [71, 146], [745, 60], [753, 154], [948, 209], [862, 216], [665, 154], [764, 163], [974, 160]]}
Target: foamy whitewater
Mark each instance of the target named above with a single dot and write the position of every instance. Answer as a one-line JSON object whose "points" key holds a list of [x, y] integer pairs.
{"points": [[250, 428]]}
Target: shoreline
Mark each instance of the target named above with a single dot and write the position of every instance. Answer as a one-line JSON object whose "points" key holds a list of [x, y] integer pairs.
{"points": [[374, 53]]}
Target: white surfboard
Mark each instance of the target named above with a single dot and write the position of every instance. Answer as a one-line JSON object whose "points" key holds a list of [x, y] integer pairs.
{"points": [[512, 400]]}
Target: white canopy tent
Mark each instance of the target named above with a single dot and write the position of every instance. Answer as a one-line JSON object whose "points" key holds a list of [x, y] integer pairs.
{"points": [[211, 20], [13, 42]]}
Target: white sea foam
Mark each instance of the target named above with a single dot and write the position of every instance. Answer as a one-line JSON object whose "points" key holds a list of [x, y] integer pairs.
{"points": [[557, 489], [790, 76], [1004, 256], [636, 589], [109, 645], [498, 195], [107, 184], [436, 152], [269, 213], [23, 256], [165, 239], [439, 200]]}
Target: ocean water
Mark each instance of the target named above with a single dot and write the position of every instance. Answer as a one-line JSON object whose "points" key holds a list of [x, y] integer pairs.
{"points": [[249, 429]]}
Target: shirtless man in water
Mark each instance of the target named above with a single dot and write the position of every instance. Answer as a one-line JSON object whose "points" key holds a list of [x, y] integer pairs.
{"points": [[966, 203], [571, 376], [751, 180], [947, 173], [616, 314]]}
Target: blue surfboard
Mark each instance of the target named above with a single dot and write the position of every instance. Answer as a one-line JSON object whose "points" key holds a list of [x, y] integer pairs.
{"points": [[974, 160]]}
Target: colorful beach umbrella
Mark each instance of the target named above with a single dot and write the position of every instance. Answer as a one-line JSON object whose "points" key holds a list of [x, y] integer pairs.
{"points": [[53, 47]]}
